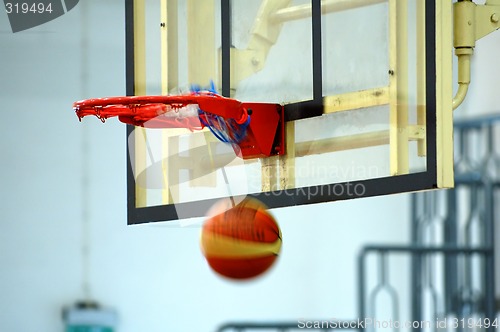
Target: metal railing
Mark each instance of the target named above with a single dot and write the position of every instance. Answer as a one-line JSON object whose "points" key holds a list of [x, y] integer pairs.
{"points": [[451, 258]]}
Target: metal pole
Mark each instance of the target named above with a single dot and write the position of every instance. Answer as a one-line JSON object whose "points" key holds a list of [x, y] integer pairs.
{"points": [[489, 271]]}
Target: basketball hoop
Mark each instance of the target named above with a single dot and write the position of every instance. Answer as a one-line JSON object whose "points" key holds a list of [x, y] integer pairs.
{"points": [[256, 129]]}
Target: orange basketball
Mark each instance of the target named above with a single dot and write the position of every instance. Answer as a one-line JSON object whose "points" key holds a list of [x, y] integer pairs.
{"points": [[241, 242]]}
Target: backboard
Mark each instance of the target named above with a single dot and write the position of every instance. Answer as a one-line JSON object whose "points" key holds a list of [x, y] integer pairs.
{"points": [[365, 84]]}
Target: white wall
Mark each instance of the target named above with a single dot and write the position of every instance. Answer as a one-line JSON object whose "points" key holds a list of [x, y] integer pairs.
{"points": [[153, 275]]}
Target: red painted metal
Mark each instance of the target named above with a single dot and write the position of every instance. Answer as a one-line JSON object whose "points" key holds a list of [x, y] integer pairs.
{"points": [[265, 134]]}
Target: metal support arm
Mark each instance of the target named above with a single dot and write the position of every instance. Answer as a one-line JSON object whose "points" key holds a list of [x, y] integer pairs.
{"points": [[471, 23], [269, 20]]}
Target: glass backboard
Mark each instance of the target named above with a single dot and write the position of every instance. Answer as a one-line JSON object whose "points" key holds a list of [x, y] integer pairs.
{"points": [[365, 87]]}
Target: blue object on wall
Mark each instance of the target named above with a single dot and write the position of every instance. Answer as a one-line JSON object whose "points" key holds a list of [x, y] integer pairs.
{"points": [[89, 317]]}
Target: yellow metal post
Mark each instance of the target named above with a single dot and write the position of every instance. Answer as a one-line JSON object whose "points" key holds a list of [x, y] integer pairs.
{"points": [[342, 143], [471, 23], [140, 89], [202, 55], [421, 86], [201, 42], [444, 95], [264, 34], [356, 100], [287, 161], [327, 6], [169, 80], [169, 45], [398, 86], [269, 176]]}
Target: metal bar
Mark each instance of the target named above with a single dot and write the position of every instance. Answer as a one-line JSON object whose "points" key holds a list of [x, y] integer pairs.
{"points": [[361, 287], [317, 52], [303, 149], [165, 42], [241, 326], [452, 250], [429, 284], [139, 47], [477, 122], [433, 52], [166, 151], [421, 88], [130, 84], [342, 143], [287, 161], [129, 47], [269, 176], [169, 80], [441, 67], [382, 267], [450, 239], [371, 301], [140, 89], [327, 6], [226, 47], [171, 176], [468, 179], [423, 250], [140, 149], [201, 41], [416, 133], [398, 86], [302, 110], [164, 46], [131, 200], [356, 100], [489, 268], [202, 52], [382, 285], [170, 42], [416, 261], [471, 218]]}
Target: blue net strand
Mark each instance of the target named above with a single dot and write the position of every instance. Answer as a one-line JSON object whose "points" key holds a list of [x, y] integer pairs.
{"points": [[196, 89], [225, 130], [221, 138]]}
